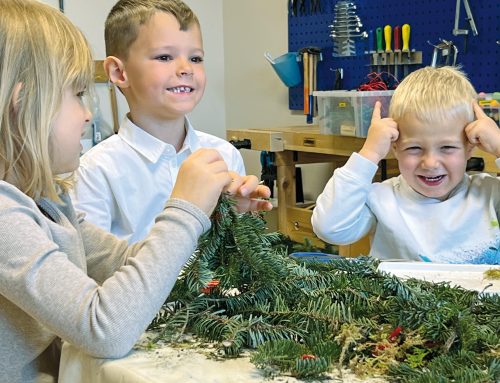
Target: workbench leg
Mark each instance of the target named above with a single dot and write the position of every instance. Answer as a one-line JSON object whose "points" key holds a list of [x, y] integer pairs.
{"points": [[285, 167]]}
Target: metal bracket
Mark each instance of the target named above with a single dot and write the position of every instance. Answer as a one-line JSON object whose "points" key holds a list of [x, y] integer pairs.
{"points": [[457, 31]]}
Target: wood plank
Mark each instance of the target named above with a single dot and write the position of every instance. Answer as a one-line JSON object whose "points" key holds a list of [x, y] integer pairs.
{"points": [[260, 139]]}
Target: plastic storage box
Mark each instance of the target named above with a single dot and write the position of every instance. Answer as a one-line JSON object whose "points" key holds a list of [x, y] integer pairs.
{"points": [[349, 113]]}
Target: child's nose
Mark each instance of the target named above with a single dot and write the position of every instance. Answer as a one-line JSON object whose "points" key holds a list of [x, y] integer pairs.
{"points": [[184, 67], [430, 161]]}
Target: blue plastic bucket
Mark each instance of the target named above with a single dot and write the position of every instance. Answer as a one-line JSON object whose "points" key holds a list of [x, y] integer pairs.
{"points": [[314, 257], [287, 68]]}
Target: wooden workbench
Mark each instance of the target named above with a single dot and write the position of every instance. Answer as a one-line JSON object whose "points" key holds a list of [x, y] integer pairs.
{"points": [[303, 145]]}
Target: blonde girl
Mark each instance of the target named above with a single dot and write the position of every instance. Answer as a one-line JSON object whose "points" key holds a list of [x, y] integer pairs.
{"points": [[60, 276]]}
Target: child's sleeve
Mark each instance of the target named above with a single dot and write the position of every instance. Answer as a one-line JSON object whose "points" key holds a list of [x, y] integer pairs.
{"points": [[341, 215], [92, 195]]}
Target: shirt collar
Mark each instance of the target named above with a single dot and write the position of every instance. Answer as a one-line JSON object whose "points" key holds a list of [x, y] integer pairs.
{"points": [[151, 147]]}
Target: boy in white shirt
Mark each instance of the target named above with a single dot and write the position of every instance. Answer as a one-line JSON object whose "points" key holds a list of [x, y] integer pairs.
{"points": [[155, 57], [433, 211]]}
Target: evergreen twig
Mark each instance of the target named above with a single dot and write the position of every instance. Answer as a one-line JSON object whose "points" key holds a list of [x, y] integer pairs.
{"points": [[242, 290]]}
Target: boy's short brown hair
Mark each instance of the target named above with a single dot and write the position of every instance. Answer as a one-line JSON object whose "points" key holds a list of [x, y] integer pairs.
{"points": [[126, 16]]}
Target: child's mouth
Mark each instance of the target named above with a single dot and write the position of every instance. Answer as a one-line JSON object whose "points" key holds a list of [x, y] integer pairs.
{"points": [[431, 180], [180, 89]]}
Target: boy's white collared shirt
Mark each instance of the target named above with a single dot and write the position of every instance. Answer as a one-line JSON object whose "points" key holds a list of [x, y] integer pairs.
{"points": [[124, 182]]}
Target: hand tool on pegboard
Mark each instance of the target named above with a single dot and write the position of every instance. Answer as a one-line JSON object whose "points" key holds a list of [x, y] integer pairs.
{"points": [[302, 7], [61, 5], [315, 7], [465, 32], [388, 46], [293, 7], [397, 50], [310, 58], [380, 49], [405, 31], [346, 29]]}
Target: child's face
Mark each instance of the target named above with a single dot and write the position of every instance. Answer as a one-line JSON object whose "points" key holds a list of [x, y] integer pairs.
{"points": [[432, 158], [67, 132], [164, 69]]}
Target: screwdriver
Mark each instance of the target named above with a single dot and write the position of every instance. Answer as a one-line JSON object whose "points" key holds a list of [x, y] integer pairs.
{"points": [[387, 36], [397, 49], [378, 32], [406, 44]]}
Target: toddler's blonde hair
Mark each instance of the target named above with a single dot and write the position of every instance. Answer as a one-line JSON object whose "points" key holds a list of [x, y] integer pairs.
{"points": [[433, 95]]}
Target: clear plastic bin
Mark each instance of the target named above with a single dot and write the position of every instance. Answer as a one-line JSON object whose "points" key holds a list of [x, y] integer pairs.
{"points": [[349, 113]]}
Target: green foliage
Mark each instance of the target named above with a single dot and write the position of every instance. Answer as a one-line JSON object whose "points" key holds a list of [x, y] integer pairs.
{"points": [[241, 290]]}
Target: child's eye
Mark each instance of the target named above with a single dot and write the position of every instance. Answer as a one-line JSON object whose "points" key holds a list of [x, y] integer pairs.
{"points": [[81, 94], [412, 149], [164, 58], [448, 148], [197, 59]]}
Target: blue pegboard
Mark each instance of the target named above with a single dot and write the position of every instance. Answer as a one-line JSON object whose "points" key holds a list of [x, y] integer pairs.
{"points": [[430, 20]]}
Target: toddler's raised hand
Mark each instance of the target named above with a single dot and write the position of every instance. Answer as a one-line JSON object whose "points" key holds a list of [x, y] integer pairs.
{"points": [[483, 132], [201, 179], [381, 134], [248, 193]]}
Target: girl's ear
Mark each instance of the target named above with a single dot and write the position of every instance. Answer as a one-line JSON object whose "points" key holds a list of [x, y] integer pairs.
{"points": [[115, 69]]}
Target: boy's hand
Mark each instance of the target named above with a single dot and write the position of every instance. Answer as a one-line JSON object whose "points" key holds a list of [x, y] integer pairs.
{"points": [[483, 132], [247, 192], [201, 179], [381, 134]]}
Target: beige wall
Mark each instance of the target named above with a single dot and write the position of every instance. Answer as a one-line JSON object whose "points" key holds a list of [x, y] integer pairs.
{"points": [[255, 97]]}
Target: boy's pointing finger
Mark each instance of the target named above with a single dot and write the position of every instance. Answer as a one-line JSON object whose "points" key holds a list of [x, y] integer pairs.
{"points": [[376, 111], [478, 111]]}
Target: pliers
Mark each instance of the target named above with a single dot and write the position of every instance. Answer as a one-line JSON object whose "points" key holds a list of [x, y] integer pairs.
{"points": [[292, 7], [316, 6], [302, 7]]}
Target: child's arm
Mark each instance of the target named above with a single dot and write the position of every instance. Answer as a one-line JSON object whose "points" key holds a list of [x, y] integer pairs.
{"points": [[484, 132], [381, 134], [341, 215]]}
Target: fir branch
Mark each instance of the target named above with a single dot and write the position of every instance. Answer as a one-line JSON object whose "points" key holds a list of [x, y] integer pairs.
{"points": [[242, 290]]}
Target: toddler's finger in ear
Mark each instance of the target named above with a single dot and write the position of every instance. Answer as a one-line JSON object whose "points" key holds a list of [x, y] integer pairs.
{"points": [[376, 111]]}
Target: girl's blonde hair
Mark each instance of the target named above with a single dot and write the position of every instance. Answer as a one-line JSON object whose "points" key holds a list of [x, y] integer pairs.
{"points": [[432, 95], [41, 54]]}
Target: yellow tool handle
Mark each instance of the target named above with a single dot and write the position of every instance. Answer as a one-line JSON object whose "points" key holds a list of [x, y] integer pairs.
{"points": [[406, 37], [387, 34]]}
